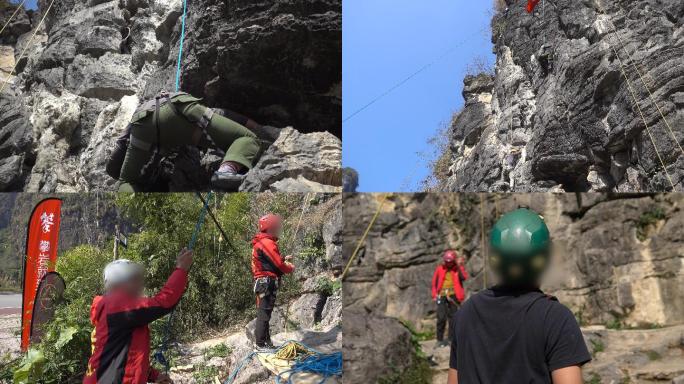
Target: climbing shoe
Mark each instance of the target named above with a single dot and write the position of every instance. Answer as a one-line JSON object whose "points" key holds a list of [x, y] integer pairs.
{"points": [[266, 347], [229, 176], [227, 181]]}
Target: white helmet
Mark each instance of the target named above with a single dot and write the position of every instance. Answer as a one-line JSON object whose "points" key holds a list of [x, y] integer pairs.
{"points": [[121, 271]]}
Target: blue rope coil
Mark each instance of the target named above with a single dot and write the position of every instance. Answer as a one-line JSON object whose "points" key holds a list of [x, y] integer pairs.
{"points": [[323, 364]]}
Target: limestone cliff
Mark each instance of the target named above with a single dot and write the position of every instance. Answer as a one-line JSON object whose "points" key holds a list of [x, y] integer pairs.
{"points": [[617, 264], [92, 62], [559, 113]]}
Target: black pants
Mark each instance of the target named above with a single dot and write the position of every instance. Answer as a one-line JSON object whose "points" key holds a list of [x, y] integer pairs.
{"points": [[266, 298], [446, 309]]}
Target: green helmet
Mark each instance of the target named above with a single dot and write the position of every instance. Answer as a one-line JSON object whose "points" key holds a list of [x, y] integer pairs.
{"points": [[520, 247]]}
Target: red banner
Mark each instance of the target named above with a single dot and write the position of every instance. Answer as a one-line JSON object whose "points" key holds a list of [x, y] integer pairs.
{"points": [[41, 257]]}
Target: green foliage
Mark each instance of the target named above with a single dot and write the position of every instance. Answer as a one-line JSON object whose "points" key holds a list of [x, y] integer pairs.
{"points": [[647, 220], [219, 293], [31, 368], [595, 379], [218, 350], [597, 346], [615, 324], [653, 355], [328, 287], [419, 372]]}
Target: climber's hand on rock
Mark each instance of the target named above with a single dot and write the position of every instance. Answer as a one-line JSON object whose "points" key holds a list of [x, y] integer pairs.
{"points": [[288, 258]]}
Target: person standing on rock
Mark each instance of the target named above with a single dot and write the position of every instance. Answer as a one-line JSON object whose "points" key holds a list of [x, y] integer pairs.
{"points": [[175, 120], [448, 292], [121, 337], [513, 332], [268, 266]]}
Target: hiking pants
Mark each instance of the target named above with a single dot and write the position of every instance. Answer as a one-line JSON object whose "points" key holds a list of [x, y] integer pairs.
{"points": [[446, 309], [240, 143], [265, 304]]}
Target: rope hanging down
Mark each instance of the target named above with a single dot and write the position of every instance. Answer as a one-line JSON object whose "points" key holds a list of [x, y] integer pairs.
{"points": [[483, 245], [180, 49], [411, 76], [12, 16], [26, 47], [643, 81], [383, 199], [159, 356], [643, 117]]}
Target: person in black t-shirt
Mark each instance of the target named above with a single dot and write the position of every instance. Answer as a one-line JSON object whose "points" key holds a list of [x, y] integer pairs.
{"points": [[514, 333]]}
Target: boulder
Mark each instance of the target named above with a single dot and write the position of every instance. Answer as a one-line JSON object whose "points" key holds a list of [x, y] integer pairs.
{"points": [[108, 77], [314, 156]]}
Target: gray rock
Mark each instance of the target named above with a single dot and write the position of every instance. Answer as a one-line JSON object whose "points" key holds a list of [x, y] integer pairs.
{"points": [[10, 171], [107, 78], [570, 120], [315, 157]]}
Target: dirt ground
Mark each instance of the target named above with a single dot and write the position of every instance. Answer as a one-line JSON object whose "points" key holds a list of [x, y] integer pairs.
{"points": [[9, 337]]}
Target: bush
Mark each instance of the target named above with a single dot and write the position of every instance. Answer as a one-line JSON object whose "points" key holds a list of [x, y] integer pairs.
{"points": [[219, 292], [647, 220]]}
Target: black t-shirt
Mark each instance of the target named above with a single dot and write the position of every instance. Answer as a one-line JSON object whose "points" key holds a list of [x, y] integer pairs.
{"points": [[514, 336]]}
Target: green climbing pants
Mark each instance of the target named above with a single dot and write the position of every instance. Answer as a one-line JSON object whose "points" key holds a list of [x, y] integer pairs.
{"points": [[240, 143]]}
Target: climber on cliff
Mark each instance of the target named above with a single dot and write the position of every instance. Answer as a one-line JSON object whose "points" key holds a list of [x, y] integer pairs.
{"points": [[447, 291], [513, 332], [268, 266], [171, 121], [121, 337]]}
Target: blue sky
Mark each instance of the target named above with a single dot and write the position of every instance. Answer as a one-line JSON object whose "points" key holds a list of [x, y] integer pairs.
{"points": [[384, 41], [30, 4]]}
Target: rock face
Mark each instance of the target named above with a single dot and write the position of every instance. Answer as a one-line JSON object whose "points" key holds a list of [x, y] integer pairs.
{"points": [[617, 260], [559, 114], [278, 62]]}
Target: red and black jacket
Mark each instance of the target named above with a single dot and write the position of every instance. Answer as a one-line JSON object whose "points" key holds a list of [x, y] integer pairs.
{"points": [[266, 258], [121, 338], [458, 275]]}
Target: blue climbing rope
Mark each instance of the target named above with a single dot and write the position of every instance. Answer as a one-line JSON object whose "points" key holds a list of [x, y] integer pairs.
{"points": [[323, 364], [159, 355], [180, 49]]}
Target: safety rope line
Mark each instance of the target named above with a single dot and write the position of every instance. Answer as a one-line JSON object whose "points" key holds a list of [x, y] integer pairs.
{"points": [[182, 41], [159, 356], [363, 238], [643, 117], [411, 76], [12, 16], [650, 94], [28, 45], [482, 242]]}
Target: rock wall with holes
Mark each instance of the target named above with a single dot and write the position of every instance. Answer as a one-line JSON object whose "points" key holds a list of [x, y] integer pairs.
{"points": [[617, 260], [92, 62], [559, 115]]}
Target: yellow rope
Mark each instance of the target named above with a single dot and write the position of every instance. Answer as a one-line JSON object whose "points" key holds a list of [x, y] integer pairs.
{"points": [[28, 44], [12, 16], [365, 234], [643, 118], [292, 351], [650, 94], [482, 245]]}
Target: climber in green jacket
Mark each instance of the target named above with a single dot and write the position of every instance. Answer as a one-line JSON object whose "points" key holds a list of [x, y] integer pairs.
{"points": [[174, 120]]}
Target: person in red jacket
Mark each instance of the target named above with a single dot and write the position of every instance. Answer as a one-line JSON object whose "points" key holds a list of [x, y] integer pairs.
{"points": [[268, 266], [447, 291], [121, 337]]}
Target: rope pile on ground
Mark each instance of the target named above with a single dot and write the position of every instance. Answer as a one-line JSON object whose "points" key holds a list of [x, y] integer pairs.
{"points": [[303, 359]]}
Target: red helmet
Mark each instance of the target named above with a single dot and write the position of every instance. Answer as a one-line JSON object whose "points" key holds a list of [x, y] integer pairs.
{"points": [[269, 221], [449, 256]]}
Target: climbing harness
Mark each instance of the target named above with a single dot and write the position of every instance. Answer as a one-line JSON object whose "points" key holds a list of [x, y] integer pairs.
{"points": [[159, 355], [383, 199], [12, 16], [26, 47], [303, 358]]}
